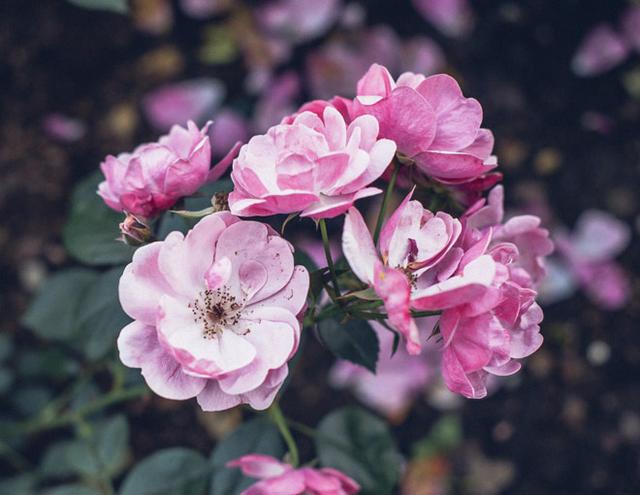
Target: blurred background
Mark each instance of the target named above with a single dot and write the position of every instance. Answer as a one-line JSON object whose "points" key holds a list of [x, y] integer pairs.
{"points": [[559, 82]]}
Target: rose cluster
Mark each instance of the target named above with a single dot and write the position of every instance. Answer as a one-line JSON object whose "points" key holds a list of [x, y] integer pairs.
{"points": [[218, 312]]}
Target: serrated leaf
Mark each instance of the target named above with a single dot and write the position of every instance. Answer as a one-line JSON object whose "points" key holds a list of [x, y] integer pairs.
{"points": [[92, 228], [360, 445], [52, 314], [174, 471], [55, 462], [257, 436], [100, 316], [354, 341]]}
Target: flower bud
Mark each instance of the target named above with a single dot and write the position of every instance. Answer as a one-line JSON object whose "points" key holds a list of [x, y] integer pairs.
{"points": [[135, 232]]}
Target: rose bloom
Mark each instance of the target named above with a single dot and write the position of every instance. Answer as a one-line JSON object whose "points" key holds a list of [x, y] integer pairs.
{"points": [[315, 166], [216, 313], [412, 242], [152, 178], [278, 478], [431, 121], [428, 262]]}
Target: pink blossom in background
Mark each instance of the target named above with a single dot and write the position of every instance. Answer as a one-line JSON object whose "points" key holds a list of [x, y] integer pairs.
{"points": [[314, 248], [228, 128], [216, 313], [452, 17], [298, 20], [278, 478], [317, 166], [630, 24], [277, 100], [153, 17], [431, 121], [154, 176], [586, 258], [421, 55], [201, 9], [63, 127], [399, 379], [601, 50], [178, 103], [336, 67]]}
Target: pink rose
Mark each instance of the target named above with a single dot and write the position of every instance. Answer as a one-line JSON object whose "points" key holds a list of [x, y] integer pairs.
{"points": [[413, 243], [152, 178], [315, 166], [431, 121], [524, 231], [278, 478], [430, 262], [215, 313]]}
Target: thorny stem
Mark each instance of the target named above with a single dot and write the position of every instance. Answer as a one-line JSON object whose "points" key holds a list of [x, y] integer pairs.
{"points": [[327, 253], [275, 413], [385, 201]]}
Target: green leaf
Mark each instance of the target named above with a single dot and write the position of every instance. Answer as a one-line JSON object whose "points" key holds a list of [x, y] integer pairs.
{"points": [[73, 489], [257, 436], [102, 452], [360, 445], [24, 484], [119, 6], [6, 379], [92, 228], [112, 443], [55, 463], [444, 436], [174, 471], [354, 341], [51, 363], [52, 315], [31, 399], [6, 346], [101, 317]]}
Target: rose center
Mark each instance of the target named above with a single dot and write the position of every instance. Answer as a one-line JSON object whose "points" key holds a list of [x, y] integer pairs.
{"points": [[215, 310]]}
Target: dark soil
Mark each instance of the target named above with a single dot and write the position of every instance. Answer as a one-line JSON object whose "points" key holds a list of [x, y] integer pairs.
{"points": [[570, 427]]}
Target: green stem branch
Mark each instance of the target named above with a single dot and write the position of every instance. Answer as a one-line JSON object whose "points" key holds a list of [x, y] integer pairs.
{"points": [[327, 253], [385, 202], [275, 413]]}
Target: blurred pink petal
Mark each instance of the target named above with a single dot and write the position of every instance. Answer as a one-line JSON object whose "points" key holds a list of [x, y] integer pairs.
{"points": [[452, 17], [599, 236], [63, 128], [631, 26], [298, 20], [277, 101], [228, 128], [399, 379], [601, 50], [178, 103], [201, 9]]}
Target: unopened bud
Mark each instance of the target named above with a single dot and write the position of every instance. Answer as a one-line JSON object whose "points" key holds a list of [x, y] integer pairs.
{"points": [[135, 232], [220, 201]]}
